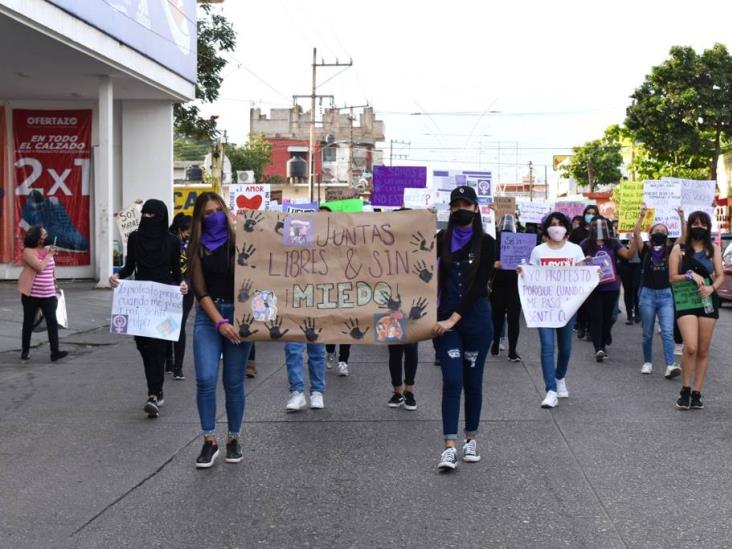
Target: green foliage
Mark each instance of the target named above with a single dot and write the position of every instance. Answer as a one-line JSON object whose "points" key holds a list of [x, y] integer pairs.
{"points": [[215, 34], [255, 155], [597, 162], [190, 149], [682, 113]]}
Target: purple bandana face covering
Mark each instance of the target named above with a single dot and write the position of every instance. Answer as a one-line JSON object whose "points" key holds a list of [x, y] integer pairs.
{"points": [[460, 237], [215, 231]]}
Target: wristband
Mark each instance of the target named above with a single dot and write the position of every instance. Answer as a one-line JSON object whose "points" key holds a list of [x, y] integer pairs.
{"points": [[689, 275], [220, 323]]}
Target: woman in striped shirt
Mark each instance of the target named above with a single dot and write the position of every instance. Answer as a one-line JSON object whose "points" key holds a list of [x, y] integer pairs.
{"points": [[37, 286]]}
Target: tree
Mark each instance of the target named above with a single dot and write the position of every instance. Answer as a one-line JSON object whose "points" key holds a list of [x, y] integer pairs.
{"points": [[682, 112], [597, 162], [255, 155], [215, 34], [189, 149]]}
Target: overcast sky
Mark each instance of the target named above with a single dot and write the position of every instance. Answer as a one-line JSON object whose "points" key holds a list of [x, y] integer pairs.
{"points": [[557, 73]]}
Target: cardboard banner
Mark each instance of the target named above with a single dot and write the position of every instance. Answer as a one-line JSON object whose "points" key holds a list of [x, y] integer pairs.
{"points": [[534, 212], [417, 199], [127, 221], [504, 205], [550, 296], [52, 180], [514, 248], [337, 278], [390, 182], [149, 309], [249, 197], [184, 197]]}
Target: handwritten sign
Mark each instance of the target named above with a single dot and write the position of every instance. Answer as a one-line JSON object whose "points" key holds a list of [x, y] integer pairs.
{"points": [[686, 296], [662, 195], [299, 208], [570, 209], [127, 221], [249, 197], [417, 199], [697, 195], [514, 248], [488, 217], [349, 205], [550, 296], [336, 277], [148, 309], [534, 212], [390, 182], [504, 205]]}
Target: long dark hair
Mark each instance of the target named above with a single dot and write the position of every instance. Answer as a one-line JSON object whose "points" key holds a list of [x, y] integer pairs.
{"points": [[194, 247], [706, 220], [446, 252], [33, 236]]}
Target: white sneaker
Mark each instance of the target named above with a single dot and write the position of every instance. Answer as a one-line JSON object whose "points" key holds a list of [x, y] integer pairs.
{"points": [[550, 401], [316, 400], [647, 368], [672, 371], [502, 344], [448, 459], [562, 391], [679, 349], [343, 368], [470, 452], [296, 402], [330, 360]]}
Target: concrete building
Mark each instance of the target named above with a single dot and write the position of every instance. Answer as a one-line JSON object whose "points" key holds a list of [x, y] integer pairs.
{"points": [[86, 119]]}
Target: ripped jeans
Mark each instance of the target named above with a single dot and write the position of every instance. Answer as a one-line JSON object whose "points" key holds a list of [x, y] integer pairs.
{"points": [[462, 352]]}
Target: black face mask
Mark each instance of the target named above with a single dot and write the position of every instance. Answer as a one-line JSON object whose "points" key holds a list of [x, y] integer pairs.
{"points": [[462, 217], [698, 233], [659, 239]]}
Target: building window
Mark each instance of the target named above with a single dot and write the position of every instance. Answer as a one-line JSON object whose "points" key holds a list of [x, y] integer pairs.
{"points": [[329, 153]]}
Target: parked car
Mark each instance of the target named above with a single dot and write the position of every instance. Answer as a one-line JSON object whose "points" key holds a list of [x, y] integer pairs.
{"points": [[725, 292]]}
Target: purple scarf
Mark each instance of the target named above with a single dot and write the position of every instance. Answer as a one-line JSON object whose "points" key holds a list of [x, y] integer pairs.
{"points": [[658, 255], [215, 231], [460, 237]]}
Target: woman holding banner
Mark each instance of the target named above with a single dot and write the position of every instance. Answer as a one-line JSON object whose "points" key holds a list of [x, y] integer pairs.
{"points": [[211, 254], [153, 254], [603, 250], [466, 257], [557, 250], [696, 260]]}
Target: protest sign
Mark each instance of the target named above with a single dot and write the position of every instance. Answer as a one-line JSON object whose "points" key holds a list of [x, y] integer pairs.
{"points": [[504, 205], [148, 309], [443, 215], [299, 208], [534, 212], [390, 182], [249, 197], [664, 197], [550, 296], [127, 221], [629, 198], [481, 182], [488, 217], [417, 199], [339, 193], [570, 209], [337, 278], [686, 296], [606, 264], [697, 195], [514, 248], [351, 205]]}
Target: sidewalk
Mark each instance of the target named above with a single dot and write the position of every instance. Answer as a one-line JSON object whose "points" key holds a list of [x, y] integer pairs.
{"points": [[614, 466]]}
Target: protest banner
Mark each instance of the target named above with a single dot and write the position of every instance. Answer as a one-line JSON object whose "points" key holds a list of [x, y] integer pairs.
{"points": [[339, 193], [127, 221], [390, 182], [488, 217], [504, 205], [443, 215], [629, 198], [149, 309], [686, 295], [664, 197], [550, 296], [534, 212], [417, 199], [515, 247], [350, 205], [570, 209], [299, 208], [336, 278], [481, 182], [696, 195], [249, 197]]}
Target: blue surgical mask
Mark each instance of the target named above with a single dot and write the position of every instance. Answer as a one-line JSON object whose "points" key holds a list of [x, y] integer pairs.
{"points": [[589, 218]]}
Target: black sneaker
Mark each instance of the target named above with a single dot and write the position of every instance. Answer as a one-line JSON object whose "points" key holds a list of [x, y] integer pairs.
{"points": [[233, 451], [209, 453], [514, 358], [629, 322], [495, 349], [395, 401], [684, 401], [178, 374], [410, 403], [151, 407], [600, 355], [58, 355], [696, 403], [25, 356], [161, 400]]}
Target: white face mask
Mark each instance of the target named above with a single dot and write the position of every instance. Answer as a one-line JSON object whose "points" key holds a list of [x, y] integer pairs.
{"points": [[557, 232]]}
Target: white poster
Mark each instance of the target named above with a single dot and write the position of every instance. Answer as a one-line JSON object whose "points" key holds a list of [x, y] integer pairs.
{"points": [[128, 220], [249, 197], [533, 212], [664, 197], [149, 309], [418, 199], [550, 296], [488, 216]]}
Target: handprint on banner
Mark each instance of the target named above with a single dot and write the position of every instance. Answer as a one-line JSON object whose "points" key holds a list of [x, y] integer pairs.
{"points": [[391, 303], [245, 326], [424, 274], [251, 219], [245, 291], [418, 307], [275, 328], [353, 329], [245, 253], [421, 244], [308, 328], [279, 226]]}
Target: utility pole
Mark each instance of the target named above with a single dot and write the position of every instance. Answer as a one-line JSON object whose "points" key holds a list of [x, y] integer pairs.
{"points": [[531, 181], [391, 150], [351, 118]]}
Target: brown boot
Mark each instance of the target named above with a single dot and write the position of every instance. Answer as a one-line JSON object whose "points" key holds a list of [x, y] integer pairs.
{"points": [[251, 370]]}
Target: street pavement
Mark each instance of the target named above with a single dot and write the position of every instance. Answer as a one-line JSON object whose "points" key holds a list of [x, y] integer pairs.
{"points": [[614, 466]]}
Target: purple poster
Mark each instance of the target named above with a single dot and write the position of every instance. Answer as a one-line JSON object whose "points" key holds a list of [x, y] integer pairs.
{"points": [[390, 182], [514, 248]]}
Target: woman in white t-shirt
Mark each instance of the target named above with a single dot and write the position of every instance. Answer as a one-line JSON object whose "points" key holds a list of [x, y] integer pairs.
{"points": [[557, 250]]}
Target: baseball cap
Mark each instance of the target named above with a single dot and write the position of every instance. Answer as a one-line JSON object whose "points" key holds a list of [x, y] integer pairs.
{"points": [[463, 192]]}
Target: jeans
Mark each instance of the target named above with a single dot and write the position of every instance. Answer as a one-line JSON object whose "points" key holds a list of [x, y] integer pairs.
{"points": [[208, 346], [601, 309], [153, 352], [48, 307], [564, 345], [661, 303], [409, 351], [296, 371], [462, 352]]}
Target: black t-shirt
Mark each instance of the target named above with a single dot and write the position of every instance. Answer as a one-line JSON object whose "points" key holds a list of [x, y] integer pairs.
{"points": [[578, 235], [654, 274], [212, 273]]}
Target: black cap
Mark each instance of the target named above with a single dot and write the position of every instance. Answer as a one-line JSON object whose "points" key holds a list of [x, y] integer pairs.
{"points": [[463, 192]]}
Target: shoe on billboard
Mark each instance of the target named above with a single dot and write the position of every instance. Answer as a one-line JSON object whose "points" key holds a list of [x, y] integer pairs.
{"points": [[50, 213]]}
